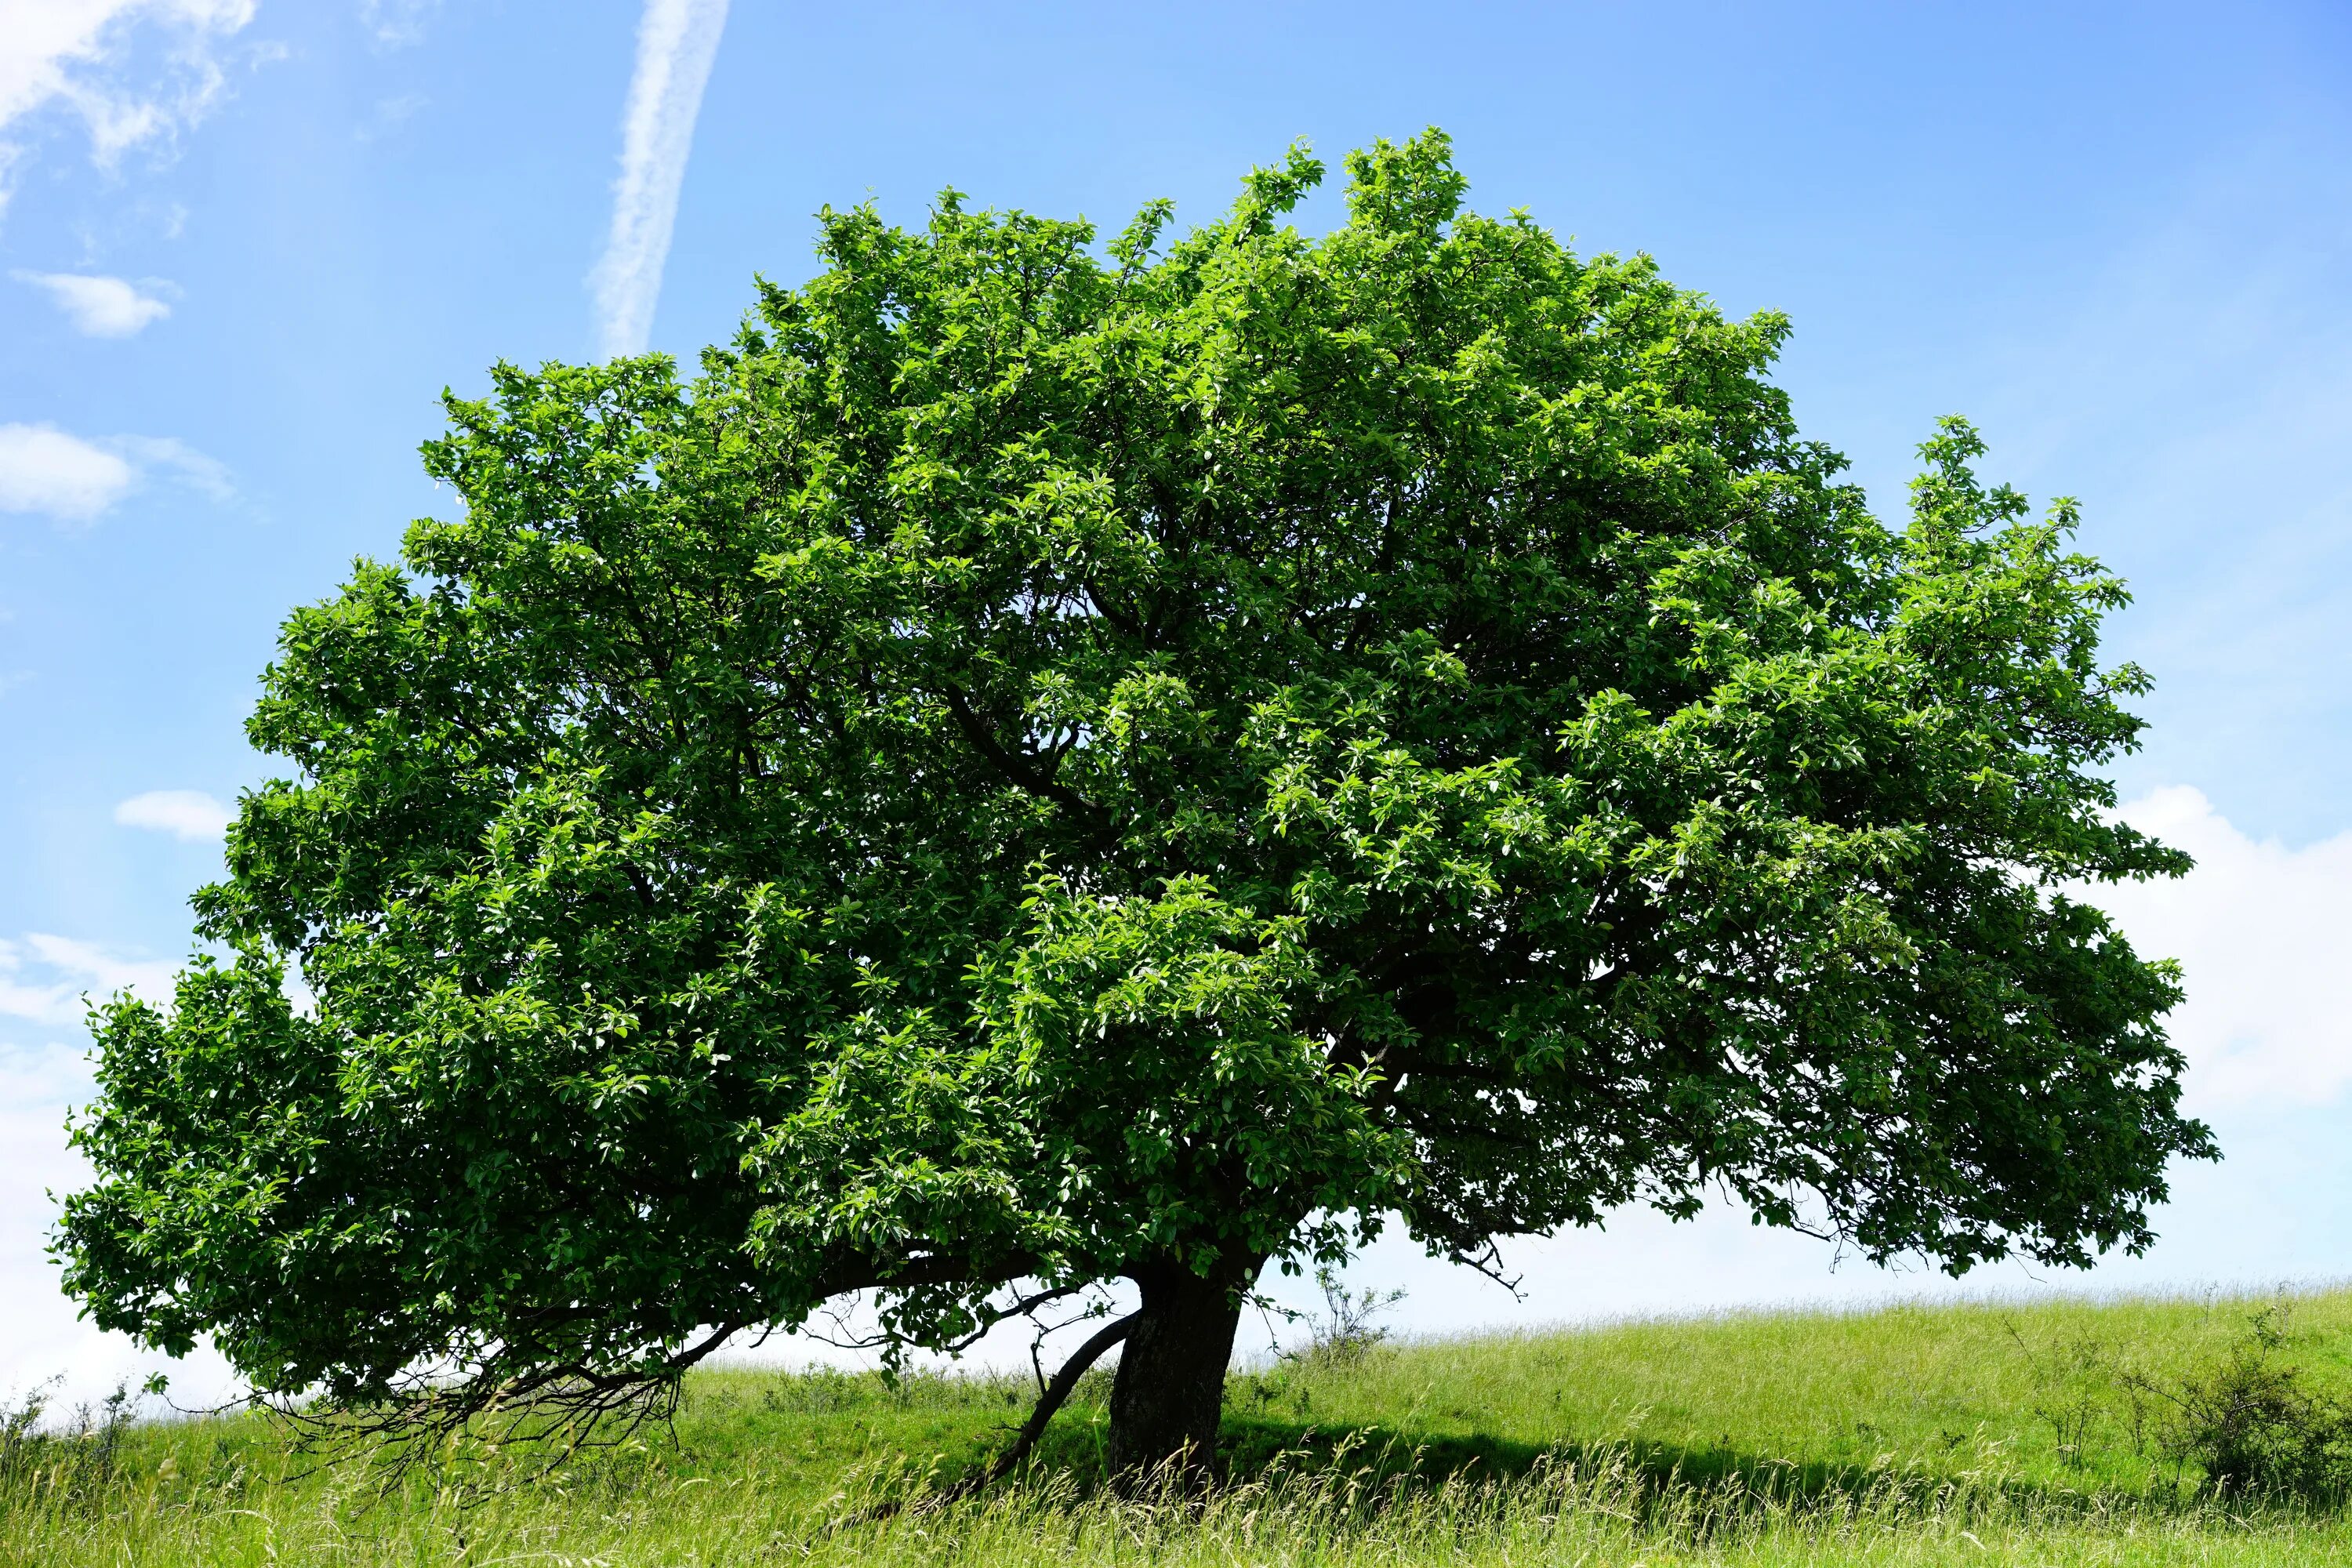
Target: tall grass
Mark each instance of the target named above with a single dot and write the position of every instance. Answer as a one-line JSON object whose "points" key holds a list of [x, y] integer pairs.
{"points": [[1974, 1434]]}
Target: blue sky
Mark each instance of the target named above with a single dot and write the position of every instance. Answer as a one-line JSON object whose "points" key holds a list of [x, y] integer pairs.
{"points": [[245, 243]]}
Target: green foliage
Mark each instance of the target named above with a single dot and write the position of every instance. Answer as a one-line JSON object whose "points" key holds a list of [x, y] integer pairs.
{"points": [[1042, 764]]}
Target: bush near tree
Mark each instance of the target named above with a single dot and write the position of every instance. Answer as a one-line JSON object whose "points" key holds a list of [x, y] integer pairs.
{"points": [[1049, 764]]}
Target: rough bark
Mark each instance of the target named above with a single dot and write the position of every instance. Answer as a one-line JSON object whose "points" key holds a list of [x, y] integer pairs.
{"points": [[1170, 1386]]}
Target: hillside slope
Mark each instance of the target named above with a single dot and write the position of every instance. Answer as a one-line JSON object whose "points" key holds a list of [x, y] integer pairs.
{"points": [[2033, 1432]]}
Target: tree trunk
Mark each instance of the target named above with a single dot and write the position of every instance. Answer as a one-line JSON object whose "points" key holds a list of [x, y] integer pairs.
{"points": [[1170, 1386]]}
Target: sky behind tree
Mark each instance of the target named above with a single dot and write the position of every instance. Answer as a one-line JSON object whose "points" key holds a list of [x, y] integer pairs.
{"points": [[243, 245]]}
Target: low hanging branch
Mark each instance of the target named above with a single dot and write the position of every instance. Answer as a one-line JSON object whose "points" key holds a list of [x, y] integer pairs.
{"points": [[1056, 1394], [575, 1406]]}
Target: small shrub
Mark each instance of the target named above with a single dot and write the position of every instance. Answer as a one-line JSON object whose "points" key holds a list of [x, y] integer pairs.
{"points": [[2074, 1379], [76, 1464], [21, 1442], [2252, 1426], [1346, 1331]]}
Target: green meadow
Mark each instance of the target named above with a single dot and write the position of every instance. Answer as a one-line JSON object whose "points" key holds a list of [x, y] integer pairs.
{"points": [[2048, 1432]]}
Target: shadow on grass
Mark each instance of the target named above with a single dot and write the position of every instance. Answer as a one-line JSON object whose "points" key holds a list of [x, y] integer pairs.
{"points": [[949, 1428], [1256, 1446]]}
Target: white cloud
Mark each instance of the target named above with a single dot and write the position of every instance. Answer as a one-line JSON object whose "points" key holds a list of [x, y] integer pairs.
{"points": [[99, 307], [185, 813], [677, 41], [45, 470], [133, 71], [44, 978], [41, 1335], [2264, 934]]}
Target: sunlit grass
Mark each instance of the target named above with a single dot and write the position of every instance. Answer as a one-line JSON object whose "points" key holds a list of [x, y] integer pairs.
{"points": [[1977, 1434]]}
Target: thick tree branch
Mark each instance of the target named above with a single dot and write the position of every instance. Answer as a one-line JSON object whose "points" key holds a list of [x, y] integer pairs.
{"points": [[1017, 765], [1104, 606]]}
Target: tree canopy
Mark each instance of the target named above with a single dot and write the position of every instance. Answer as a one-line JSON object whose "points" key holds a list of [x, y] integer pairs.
{"points": [[1051, 762]]}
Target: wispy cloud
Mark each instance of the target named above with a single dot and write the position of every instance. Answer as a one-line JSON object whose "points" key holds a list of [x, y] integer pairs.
{"points": [[135, 73], [44, 978], [677, 41], [209, 477], [391, 114], [396, 24], [98, 306], [48, 472], [185, 814], [2193, 386]]}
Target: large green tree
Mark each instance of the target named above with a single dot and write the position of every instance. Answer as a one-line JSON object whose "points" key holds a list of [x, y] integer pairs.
{"points": [[1049, 764]]}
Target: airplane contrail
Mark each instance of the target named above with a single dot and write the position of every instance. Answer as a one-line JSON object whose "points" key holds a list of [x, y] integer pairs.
{"points": [[677, 41]]}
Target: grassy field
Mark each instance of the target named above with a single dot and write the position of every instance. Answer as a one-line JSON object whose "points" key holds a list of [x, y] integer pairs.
{"points": [[1963, 1434]]}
